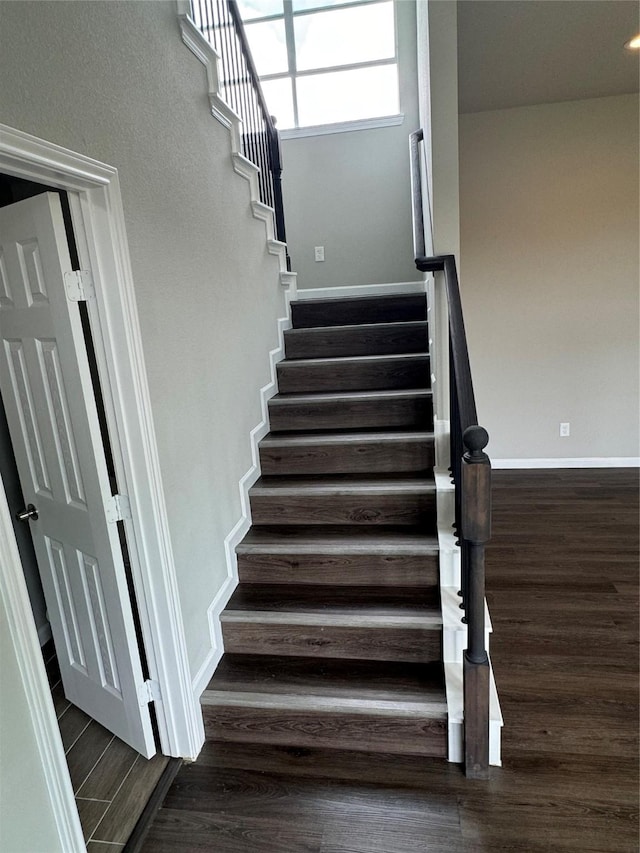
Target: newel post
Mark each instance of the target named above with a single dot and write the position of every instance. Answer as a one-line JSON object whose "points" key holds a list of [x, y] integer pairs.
{"points": [[476, 532]]}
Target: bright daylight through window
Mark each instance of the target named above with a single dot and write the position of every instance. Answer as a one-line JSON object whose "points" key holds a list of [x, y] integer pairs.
{"points": [[324, 61]]}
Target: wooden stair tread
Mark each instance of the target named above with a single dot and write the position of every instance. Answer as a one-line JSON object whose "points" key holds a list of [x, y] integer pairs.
{"points": [[344, 601], [351, 499], [357, 339], [400, 325], [296, 398], [339, 556], [311, 313], [336, 361], [334, 539], [341, 636], [297, 439], [355, 681], [344, 484], [353, 373], [316, 409], [393, 433], [346, 452]]}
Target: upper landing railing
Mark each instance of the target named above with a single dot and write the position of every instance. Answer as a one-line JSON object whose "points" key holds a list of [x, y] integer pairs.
{"points": [[471, 472], [220, 23]]}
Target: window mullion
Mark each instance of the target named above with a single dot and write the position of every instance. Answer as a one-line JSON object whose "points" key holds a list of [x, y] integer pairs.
{"points": [[300, 13], [332, 69], [296, 77], [290, 39]]}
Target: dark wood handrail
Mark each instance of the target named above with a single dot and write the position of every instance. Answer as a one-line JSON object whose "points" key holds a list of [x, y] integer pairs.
{"points": [[419, 249], [471, 473]]}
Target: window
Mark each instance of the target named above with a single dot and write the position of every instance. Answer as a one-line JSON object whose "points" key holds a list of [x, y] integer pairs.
{"points": [[324, 61]]}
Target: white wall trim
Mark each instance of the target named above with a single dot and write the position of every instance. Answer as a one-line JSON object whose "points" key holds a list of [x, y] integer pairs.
{"points": [[222, 112], [569, 462], [22, 629], [99, 223], [241, 528], [341, 292], [289, 281]]}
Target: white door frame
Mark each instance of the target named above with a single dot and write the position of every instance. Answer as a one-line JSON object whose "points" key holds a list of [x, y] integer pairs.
{"points": [[99, 226]]}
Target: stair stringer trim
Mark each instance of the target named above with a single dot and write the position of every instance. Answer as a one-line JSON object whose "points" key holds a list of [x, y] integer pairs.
{"points": [[241, 528], [227, 117], [454, 631]]}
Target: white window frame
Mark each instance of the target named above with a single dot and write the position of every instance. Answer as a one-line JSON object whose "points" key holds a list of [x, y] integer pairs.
{"points": [[292, 73]]}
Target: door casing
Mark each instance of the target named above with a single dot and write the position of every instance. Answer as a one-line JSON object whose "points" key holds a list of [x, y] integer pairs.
{"points": [[99, 226]]}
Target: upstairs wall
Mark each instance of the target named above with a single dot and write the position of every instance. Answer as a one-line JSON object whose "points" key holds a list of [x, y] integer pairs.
{"points": [[114, 81], [349, 192], [548, 255], [549, 271]]}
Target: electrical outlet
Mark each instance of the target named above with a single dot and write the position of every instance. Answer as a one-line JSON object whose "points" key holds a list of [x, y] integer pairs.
{"points": [[319, 253], [565, 430]]}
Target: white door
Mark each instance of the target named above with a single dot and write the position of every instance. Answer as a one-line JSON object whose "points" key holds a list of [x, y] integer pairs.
{"points": [[48, 396]]}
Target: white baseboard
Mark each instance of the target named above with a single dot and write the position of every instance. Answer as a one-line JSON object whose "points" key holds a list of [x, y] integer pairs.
{"points": [[214, 655], [341, 292], [569, 462], [240, 529]]}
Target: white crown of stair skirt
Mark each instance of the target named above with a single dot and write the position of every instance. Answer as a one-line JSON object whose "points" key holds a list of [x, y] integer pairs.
{"points": [[222, 112]]}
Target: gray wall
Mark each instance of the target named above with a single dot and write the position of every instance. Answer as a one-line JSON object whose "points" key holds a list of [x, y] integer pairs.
{"points": [[549, 272], [27, 823], [438, 98], [349, 192], [115, 82]]}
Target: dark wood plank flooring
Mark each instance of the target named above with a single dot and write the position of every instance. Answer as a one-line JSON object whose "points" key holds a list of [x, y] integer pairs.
{"points": [[563, 591]]}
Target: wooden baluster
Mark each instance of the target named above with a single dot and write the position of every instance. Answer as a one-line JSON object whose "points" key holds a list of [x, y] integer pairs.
{"points": [[476, 532]]}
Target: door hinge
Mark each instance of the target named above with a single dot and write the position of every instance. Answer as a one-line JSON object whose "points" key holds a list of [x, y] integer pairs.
{"points": [[118, 508], [149, 691], [79, 285]]}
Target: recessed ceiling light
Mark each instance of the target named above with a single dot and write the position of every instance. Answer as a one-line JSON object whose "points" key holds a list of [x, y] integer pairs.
{"points": [[634, 43]]}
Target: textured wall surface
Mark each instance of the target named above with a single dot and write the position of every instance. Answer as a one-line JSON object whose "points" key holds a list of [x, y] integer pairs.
{"points": [[114, 81], [350, 193]]}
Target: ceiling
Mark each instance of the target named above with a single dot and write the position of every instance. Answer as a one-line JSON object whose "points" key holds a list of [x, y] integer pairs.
{"points": [[518, 52]]}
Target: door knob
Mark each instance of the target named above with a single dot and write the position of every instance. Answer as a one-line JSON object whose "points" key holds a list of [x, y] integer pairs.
{"points": [[30, 513]]}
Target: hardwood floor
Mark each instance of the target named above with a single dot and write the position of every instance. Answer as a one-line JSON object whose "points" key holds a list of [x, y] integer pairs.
{"points": [[112, 782], [563, 591]]}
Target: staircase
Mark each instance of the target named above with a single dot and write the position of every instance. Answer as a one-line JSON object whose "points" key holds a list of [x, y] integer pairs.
{"points": [[333, 637]]}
